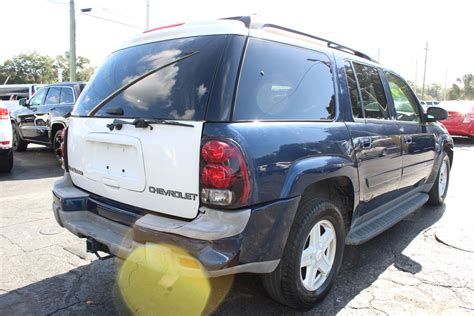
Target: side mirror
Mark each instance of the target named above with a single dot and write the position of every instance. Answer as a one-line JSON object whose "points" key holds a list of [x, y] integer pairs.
{"points": [[23, 102], [435, 113]]}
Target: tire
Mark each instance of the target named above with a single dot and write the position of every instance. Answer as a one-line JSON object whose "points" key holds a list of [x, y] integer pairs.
{"points": [[19, 144], [6, 163], [294, 285], [436, 197], [57, 146]]}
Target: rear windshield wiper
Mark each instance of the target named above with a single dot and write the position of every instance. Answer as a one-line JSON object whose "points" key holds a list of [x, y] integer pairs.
{"points": [[134, 81], [143, 123]]}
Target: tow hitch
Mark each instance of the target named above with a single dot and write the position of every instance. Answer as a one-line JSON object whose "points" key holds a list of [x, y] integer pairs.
{"points": [[94, 247]]}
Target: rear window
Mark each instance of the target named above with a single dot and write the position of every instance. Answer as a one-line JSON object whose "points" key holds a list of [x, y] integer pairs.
{"points": [[179, 91], [282, 82]]}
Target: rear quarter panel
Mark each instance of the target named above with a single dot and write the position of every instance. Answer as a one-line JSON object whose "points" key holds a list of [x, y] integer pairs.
{"points": [[284, 158]]}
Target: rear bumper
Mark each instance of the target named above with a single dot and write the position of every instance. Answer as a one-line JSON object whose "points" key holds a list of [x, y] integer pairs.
{"points": [[224, 242]]}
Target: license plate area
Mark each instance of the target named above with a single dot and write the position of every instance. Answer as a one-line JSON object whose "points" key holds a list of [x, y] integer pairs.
{"points": [[116, 161]]}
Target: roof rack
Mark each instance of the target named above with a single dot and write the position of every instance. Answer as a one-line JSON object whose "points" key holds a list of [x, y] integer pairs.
{"points": [[249, 22]]}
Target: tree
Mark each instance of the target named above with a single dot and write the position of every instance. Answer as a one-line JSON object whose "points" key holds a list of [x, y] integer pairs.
{"points": [[83, 70], [454, 93], [28, 68], [434, 91], [468, 81], [464, 89]]}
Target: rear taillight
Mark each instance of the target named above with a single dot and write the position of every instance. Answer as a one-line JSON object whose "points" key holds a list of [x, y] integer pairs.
{"points": [[224, 175], [64, 147], [3, 114], [469, 117]]}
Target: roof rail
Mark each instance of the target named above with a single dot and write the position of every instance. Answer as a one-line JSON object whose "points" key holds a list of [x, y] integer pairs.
{"points": [[249, 22]]}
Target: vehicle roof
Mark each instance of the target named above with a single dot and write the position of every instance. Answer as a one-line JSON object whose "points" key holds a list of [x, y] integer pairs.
{"points": [[66, 84], [253, 26]]}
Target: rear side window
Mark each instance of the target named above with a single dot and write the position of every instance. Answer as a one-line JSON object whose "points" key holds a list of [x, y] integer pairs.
{"points": [[373, 95], [357, 111], [67, 96], [179, 91], [53, 96], [282, 82]]}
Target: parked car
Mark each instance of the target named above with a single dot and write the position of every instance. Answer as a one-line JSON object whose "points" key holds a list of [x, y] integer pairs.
{"points": [[11, 94], [253, 147], [460, 121], [42, 118], [6, 151]]}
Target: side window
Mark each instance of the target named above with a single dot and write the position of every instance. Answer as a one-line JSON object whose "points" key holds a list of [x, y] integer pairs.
{"points": [[67, 96], [357, 111], [373, 95], [53, 96], [406, 107], [283, 82], [38, 98]]}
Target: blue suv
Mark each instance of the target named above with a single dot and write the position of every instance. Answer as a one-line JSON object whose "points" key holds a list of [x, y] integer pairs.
{"points": [[254, 147]]}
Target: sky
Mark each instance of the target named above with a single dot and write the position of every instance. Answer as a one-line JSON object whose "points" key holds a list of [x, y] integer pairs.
{"points": [[396, 32]]}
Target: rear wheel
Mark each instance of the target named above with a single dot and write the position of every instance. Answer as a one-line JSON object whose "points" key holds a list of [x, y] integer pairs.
{"points": [[439, 190], [57, 140], [19, 144], [312, 257]]}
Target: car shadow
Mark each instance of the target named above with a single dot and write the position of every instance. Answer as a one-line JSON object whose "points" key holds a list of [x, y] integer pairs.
{"points": [[37, 162], [92, 288], [463, 142], [362, 266]]}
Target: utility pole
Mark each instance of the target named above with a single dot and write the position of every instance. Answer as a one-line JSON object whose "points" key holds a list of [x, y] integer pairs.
{"points": [[424, 72], [147, 15], [416, 76], [378, 54], [445, 85], [72, 41]]}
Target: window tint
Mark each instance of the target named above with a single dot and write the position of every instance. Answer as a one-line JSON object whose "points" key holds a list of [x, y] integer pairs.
{"points": [[371, 88], [38, 98], [353, 91], [406, 108], [281, 82], [178, 91], [67, 96], [53, 96]]}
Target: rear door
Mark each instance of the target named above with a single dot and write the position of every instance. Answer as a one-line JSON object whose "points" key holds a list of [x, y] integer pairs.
{"points": [[375, 135], [418, 146], [150, 166]]}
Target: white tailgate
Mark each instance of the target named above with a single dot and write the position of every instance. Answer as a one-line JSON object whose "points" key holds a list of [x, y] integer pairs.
{"points": [[157, 169]]}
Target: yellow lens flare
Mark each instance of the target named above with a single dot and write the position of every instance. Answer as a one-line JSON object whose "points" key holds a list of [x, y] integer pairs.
{"points": [[163, 280]]}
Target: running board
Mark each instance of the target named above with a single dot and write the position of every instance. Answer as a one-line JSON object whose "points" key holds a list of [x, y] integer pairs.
{"points": [[372, 227]]}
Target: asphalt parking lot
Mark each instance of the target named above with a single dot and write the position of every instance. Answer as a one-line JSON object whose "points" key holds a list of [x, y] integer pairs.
{"points": [[406, 270]]}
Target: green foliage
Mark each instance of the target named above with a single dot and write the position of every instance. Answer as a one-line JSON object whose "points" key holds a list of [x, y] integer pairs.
{"points": [[37, 68], [28, 68], [464, 89], [83, 70]]}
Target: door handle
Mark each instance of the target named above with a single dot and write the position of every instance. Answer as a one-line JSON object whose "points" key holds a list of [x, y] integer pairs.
{"points": [[365, 142], [408, 140]]}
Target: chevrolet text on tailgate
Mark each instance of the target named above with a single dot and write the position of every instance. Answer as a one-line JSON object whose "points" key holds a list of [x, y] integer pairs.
{"points": [[253, 147]]}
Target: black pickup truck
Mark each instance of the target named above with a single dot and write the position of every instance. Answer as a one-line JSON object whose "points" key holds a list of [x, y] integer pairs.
{"points": [[42, 118]]}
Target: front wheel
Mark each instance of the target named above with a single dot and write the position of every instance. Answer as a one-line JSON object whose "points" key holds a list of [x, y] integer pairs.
{"points": [[19, 144], [57, 140], [438, 192], [312, 257]]}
